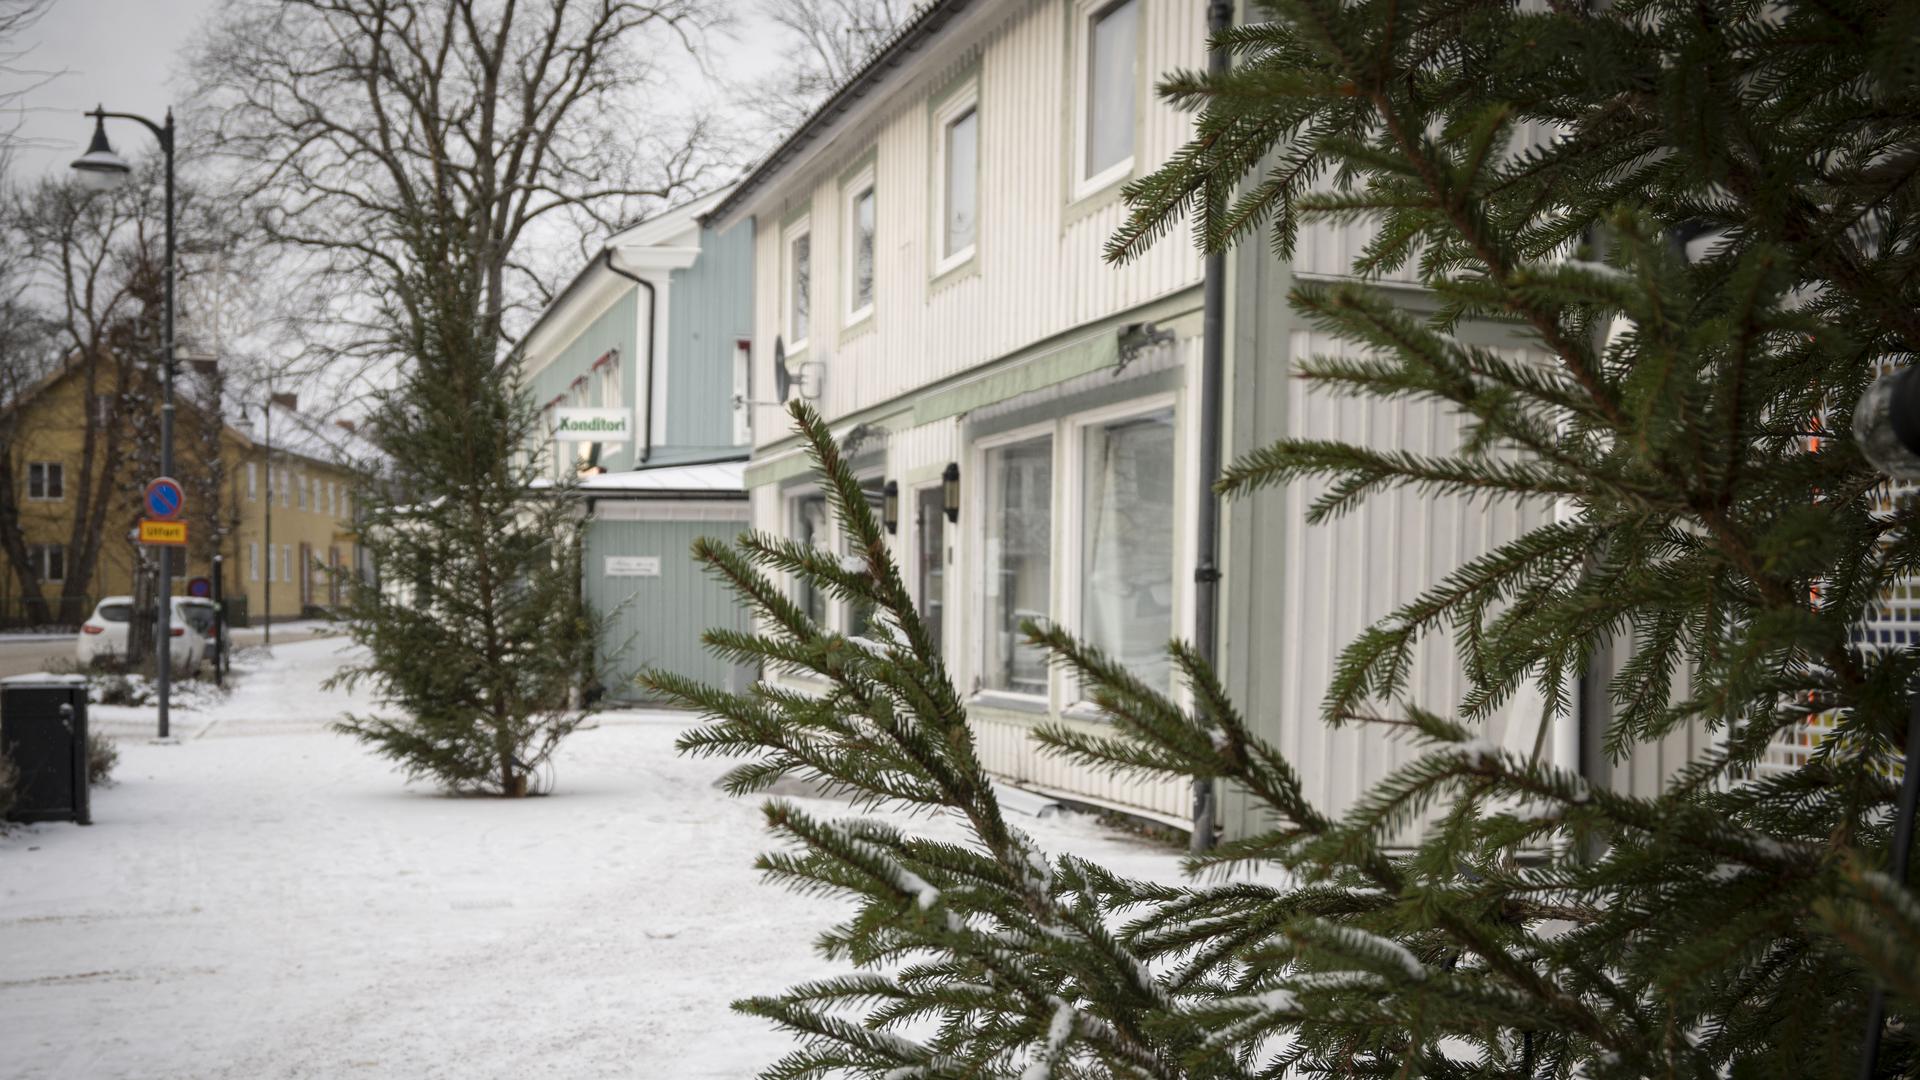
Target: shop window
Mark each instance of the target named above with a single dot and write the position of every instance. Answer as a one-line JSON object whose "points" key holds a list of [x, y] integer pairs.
{"points": [[1126, 542], [1018, 582], [930, 544], [812, 526]]}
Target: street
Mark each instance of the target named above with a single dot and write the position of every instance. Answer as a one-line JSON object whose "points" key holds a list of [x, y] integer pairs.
{"points": [[24, 654], [264, 897]]}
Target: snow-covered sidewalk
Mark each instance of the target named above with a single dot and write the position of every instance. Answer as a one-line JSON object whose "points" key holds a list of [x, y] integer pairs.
{"points": [[269, 899]]}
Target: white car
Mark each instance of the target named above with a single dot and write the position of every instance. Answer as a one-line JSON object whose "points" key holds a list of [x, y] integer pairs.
{"points": [[104, 634]]}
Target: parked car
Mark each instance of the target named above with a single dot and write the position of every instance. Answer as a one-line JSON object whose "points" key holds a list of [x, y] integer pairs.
{"points": [[104, 634]]}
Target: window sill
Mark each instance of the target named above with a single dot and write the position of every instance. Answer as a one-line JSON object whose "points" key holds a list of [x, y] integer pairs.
{"points": [[855, 327], [954, 270], [1006, 702], [1093, 195]]}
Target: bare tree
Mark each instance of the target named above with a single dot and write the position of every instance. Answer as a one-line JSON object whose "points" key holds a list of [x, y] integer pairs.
{"points": [[828, 40], [17, 17], [371, 130], [91, 288]]}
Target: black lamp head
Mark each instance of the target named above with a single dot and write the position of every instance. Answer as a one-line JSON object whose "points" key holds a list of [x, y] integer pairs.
{"points": [[100, 168], [1886, 424]]}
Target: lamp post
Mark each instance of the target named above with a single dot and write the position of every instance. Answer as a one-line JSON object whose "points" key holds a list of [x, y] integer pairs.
{"points": [[101, 169], [1886, 424]]}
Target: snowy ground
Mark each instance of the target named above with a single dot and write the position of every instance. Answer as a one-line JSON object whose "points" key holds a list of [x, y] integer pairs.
{"points": [[267, 899]]}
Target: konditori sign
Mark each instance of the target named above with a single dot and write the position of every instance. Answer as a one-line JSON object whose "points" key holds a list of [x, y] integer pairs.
{"points": [[592, 425]]}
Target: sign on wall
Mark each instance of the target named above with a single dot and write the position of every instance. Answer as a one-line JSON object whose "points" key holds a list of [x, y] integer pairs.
{"points": [[575, 424], [633, 566]]}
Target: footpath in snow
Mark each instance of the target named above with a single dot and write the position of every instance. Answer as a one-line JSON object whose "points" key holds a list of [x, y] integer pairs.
{"points": [[268, 899]]}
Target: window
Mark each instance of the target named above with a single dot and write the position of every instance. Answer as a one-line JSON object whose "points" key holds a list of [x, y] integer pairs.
{"points": [[610, 381], [1109, 84], [860, 253], [49, 561], [811, 526], [930, 549], [1018, 576], [253, 561], [959, 186], [300, 491], [1126, 543], [859, 614], [46, 481], [799, 288], [286, 495], [286, 562], [273, 565], [253, 482], [742, 392]]}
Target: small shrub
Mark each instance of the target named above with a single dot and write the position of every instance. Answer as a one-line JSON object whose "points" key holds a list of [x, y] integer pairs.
{"points": [[9, 776], [121, 690], [102, 756]]}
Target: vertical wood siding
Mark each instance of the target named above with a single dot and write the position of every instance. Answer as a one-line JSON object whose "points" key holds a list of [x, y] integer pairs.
{"points": [[711, 306], [657, 621], [1337, 578], [1038, 268], [613, 328]]}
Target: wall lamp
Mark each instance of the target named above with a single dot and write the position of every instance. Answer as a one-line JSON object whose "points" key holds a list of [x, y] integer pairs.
{"points": [[890, 506], [950, 491]]}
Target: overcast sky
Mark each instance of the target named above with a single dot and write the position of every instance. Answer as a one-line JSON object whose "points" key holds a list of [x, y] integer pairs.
{"points": [[117, 53], [124, 54]]}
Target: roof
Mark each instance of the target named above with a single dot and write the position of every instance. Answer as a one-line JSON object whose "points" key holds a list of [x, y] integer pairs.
{"points": [[295, 432], [932, 17], [714, 478], [645, 232]]}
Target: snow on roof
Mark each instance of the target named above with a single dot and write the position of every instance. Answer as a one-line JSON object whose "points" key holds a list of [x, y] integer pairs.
{"points": [[712, 477], [295, 432]]}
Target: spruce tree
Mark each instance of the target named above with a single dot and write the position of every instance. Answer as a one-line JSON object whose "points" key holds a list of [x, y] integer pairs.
{"points": [[1701, 215], [476, 633]]}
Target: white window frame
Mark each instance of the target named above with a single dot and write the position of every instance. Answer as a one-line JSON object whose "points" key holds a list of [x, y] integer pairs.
{"points": [[790, 500], [862, 184], [48, 470], [976, 506], [1069, 538], [40, 557], [253, 560], [788, 238], [950, 112], [742, 392], [913, 558], [1084, 14]]}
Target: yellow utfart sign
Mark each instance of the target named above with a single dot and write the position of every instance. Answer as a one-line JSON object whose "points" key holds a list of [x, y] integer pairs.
{"points": [[163, 532]]}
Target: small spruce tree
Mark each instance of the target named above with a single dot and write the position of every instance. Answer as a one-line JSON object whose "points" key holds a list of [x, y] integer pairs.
{"points": [[1702, 216], [475, 629]]}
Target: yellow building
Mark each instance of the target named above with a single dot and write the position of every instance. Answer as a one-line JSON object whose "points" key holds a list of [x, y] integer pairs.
{"points": [[268, 490]]}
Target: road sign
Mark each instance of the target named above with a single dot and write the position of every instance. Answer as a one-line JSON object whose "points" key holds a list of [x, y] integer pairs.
{"points": [[164, 499], [163, 532], [199, 587]]}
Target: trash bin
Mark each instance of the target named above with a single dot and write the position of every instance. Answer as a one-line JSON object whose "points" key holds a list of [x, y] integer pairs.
{"points": [[43, 733]]}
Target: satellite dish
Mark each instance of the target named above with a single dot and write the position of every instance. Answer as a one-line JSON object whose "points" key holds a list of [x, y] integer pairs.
{"points": [[782, 378]]}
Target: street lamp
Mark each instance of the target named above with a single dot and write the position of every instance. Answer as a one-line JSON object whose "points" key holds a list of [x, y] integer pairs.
{"points": [[100, 169], [1886, 424]]}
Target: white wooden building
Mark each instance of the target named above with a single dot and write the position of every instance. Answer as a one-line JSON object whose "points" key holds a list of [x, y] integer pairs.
{"points": [[928, 259]]}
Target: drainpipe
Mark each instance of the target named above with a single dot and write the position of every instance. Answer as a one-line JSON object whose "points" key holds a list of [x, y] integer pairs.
{"points": [[653, 307], [1213, 352]]}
